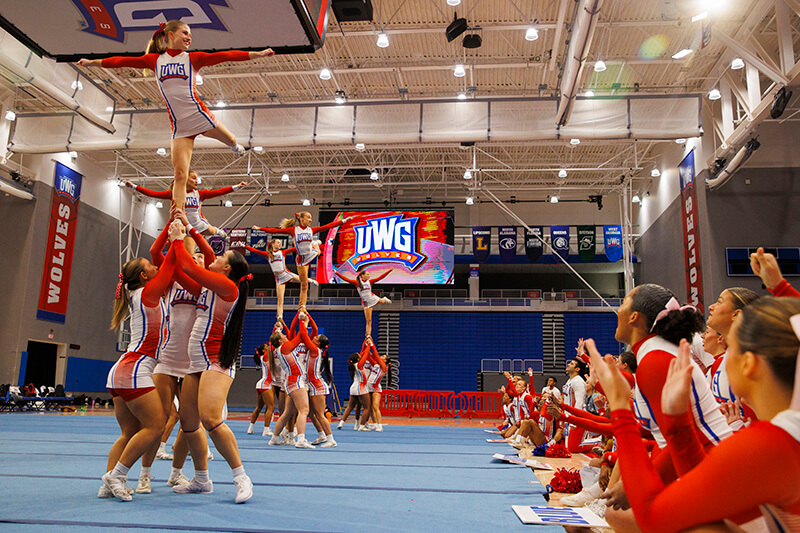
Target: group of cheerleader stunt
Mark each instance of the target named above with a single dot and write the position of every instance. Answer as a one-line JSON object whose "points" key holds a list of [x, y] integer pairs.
{"points": [[684, 449], [294, 364]]}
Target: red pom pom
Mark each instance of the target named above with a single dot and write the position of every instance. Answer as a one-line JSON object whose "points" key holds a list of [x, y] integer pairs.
{"points": [[568, 481], [558, 451]]}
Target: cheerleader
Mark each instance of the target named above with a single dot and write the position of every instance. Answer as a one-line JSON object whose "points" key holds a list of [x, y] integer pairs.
{"points": [[374, 385], [194, 199], [301, 230], [721, 315], [173, 356], [137, 404], [368, 298], [213, 346], [353, 400], [763, 347], [291, 354], [277, 262], [176, 71], [264, 393], [317, 388]]}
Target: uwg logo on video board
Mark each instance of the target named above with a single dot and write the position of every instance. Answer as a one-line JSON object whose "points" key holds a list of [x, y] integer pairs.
{"points": [[387, 239]]}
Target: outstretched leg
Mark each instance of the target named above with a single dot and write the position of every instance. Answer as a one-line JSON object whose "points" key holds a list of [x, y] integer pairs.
{"points": [[181, 159]]}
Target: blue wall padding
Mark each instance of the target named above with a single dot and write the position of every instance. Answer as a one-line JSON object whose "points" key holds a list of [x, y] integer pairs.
{"points": [[597, 326], [87, 375]]}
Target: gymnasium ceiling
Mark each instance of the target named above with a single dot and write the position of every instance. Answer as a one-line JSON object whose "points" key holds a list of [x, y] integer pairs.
{"points": [[635, 38]]}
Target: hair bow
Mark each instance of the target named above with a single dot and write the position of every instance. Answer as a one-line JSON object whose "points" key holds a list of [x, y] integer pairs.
{"points": [[118, 293], [672, 305], [795, 405], [246, 277]]}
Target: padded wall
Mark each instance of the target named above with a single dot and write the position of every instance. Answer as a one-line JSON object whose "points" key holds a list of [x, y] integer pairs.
{"points": [[86, 375], [443, 350], [597, 326]]}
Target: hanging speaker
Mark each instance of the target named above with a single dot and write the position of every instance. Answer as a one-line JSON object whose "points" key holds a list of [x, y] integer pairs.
{"points": [[352, 10], [779, 104], [473, 40], [456, 28]]}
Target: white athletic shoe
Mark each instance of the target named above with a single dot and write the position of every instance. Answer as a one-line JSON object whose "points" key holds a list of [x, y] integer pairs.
{"points": [[244, 489], [266, 433], [328, 444], [285, 434], [290, 441], [194, 487], [210, 455], [364, 428], [276, 441], [163, 456], [221, 233], [144, 485], [239, 150], [583, 497], [319, 440], [341, 424], [105, 491], [379, 428], [304, 444], [356, 426], [598, 507], [372, 426], [313, 282], [180, 479], [118, 486], [249, 431], [388, 301]]}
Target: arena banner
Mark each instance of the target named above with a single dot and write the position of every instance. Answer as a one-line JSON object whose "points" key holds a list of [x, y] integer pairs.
{"points": [[559, 239], [60, 243], [534, 247], [217, 243], [256, 239], [238, 239], [481, 243], [417, 245], [691, 237], [507, 242], [612, 240], [587, 243]]}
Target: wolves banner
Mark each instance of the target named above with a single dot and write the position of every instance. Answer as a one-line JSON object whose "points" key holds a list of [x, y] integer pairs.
{"points": [[481, 243], [612, 240], [533, 243], [587, 244], [60, 242], [507, 241], [559, 239], [691, 237]]}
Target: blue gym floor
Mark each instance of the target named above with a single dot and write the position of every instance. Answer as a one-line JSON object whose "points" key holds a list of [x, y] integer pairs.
{"points": [[408, 478]]}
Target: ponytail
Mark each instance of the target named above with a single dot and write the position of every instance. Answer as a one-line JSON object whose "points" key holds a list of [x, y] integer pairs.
{"points": [[650, 300], [289, 222], [232, 339], [129, 280]]}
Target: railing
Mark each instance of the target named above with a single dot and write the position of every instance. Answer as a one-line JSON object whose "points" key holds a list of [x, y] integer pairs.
{"points": [[441, 404], [512, 365]]}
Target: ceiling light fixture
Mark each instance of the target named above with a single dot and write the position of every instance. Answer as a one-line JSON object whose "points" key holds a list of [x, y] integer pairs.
{"points": [[683, 53], [325, 74], [680, 141], [574, 142], [470, 201], [600, 65], [161, 151], [589, 93], [340, 98], [228, 203], [383, 40], [10, 115], [468, 174], [221, 104], [77, 85], [73, 155], [737, 63], [636, 199], [462, 95], [554, 199], [306, 202], [374, 176], [700, 16], [360, 147], [159, 205], [258, 148], [285, 177], [453, 3], [459, 71], [198, 80], [562, 173], [531, 34], [655, 173], [714, 94]]}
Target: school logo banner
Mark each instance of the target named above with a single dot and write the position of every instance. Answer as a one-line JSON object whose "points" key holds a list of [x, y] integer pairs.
{"points": [[481, 243], [691, 237], [60, 243], [534, 247], [507, 239], [612, 240], [587, 243], [256, 239], [217, 243], [559, 239]]}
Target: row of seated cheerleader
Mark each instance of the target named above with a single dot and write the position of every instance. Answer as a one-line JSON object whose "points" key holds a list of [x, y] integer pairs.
{"points": [[699, 424]]}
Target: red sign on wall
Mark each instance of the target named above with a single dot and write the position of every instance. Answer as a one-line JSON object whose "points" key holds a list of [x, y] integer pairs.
{"points": [[691, 235], [60, 242]]}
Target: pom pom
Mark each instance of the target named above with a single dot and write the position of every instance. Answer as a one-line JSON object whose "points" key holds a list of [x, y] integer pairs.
{"points": [[558, 451], [567, 481], [540, 450]]}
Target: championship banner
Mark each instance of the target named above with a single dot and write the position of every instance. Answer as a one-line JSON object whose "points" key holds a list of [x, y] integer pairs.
{"points": [[612, 240], [559, 239], [534, 247], [60, 243], [587, 243], [507, 241], [481, 243], [238, 239], [691, 237], [257, 239]]}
